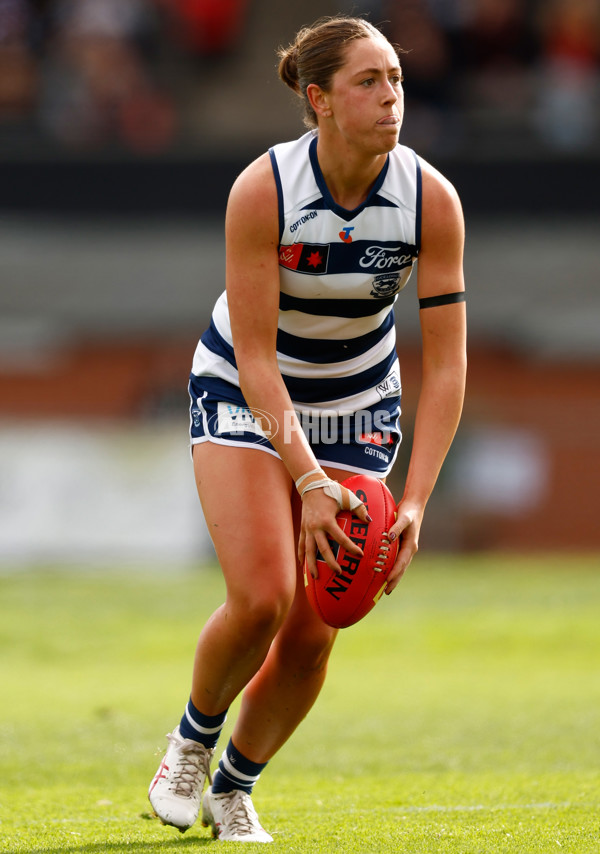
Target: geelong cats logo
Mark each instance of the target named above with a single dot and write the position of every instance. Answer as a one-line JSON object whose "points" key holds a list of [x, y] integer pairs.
{"points": [[385, 284]]}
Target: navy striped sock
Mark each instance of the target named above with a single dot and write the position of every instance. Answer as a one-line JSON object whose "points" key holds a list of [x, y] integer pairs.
{"points": [[236, 771], [203, 728]]}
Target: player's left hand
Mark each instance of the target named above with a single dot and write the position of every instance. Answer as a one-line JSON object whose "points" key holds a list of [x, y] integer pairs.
{"points": [[319, 527], [406, 527]]}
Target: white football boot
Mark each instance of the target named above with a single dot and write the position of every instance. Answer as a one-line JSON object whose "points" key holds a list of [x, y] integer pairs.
{"points": [[176, 790], [232, 817]]}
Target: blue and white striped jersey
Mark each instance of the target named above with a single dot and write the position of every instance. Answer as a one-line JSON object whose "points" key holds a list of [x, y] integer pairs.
{"points": [[340, 274]]}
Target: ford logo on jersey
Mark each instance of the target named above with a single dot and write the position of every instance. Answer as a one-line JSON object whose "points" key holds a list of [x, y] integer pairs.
{"points": [[383, 257]]}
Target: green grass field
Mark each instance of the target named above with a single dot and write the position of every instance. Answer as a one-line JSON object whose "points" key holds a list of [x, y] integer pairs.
{"points": [[462, 715]]}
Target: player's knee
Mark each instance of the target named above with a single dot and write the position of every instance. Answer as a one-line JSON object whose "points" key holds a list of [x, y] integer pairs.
{"points": [[308, 649], [261, 611]]}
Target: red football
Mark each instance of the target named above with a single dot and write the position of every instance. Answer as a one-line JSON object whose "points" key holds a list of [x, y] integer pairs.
{"points": [[342, 600]]}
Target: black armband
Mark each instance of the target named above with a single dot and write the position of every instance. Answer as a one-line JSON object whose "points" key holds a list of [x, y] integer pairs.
{"points": [[442, 299]]}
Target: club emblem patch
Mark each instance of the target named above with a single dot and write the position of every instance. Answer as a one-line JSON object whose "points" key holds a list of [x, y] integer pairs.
{"points": [[385, 285]]}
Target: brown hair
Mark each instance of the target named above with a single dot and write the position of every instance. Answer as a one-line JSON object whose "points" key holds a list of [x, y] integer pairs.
{"points": [[317, 53]]}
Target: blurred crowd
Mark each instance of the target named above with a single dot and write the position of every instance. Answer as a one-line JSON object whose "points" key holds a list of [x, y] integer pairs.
{"points": [[89, 75], [509, 69]]}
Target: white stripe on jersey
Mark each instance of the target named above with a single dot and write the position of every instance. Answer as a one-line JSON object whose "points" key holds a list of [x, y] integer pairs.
{"points": [[333, 328], [220, 318], [209, 364]]}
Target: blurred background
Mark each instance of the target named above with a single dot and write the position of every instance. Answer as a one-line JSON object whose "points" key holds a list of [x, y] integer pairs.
{"points": [[122, 126]]}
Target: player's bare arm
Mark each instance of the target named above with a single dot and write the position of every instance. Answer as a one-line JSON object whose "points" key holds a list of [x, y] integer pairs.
{"points": [[443, 331]]}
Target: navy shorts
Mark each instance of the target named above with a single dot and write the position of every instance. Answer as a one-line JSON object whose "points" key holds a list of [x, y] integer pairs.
{"points": [[363, 442]]}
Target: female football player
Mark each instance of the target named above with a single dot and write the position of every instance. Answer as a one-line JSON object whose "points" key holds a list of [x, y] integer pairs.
{"points": [[295, 386]]}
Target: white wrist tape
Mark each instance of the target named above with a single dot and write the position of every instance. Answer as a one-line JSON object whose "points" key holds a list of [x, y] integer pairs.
{"points": [[317, 479], [310, 475]]}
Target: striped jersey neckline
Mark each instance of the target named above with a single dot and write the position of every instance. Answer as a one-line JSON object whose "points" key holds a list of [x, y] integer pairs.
{"points": [[328, 200]]}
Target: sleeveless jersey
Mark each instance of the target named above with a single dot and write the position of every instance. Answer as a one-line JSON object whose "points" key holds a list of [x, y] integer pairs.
{"points": [[340, 273]]}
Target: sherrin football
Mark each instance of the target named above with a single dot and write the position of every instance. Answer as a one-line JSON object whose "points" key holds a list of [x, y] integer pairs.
{"points": [[342, 600]]}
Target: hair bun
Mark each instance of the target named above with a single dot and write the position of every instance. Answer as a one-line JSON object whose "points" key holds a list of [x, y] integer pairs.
{"points": [[288, 67]]}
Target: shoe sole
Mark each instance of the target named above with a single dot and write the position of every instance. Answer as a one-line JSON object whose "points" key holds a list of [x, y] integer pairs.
{"points": [[170, 823]]}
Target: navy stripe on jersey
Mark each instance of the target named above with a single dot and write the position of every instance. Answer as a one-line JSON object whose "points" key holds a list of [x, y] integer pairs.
{"points": [[213, 339], [334, 307], [324, 350], [321, 205], [330, 203], [309, 390], [317, 205], [418, 204], [360, 256], [275, 167], [314, 350]]}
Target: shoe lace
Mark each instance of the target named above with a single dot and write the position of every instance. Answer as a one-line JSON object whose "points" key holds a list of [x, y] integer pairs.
{"points": [[194, 761], [239, 814]]}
